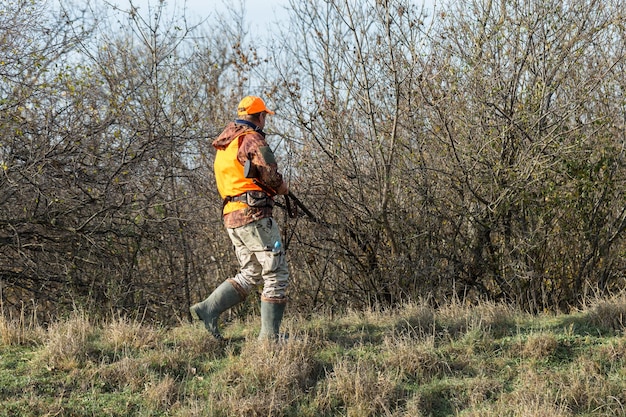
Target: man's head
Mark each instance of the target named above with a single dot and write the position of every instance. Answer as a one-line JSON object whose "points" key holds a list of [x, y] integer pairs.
{"points": [[253, 108], [252, 105]]}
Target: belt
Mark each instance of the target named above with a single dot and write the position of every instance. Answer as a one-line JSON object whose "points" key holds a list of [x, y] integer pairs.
{"points": [[241, 197]]}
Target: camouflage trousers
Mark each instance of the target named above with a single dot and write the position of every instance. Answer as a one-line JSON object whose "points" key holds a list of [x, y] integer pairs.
{"points": [[259, 265]]}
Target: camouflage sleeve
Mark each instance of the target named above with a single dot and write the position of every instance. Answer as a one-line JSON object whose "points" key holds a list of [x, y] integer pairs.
{"points": [[255, 147]]}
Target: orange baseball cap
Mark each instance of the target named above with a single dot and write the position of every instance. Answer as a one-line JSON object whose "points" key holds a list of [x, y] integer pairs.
{"points": [[252, 105]]}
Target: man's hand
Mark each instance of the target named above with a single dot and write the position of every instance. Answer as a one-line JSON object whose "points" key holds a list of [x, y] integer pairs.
{"points": [[283, 189]]}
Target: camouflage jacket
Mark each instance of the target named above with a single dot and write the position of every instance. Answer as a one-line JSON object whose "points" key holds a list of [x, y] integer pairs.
{"points": [[253, 146]]}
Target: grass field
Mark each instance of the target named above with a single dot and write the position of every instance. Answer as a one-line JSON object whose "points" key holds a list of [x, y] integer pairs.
{"points": [[485, 360]]}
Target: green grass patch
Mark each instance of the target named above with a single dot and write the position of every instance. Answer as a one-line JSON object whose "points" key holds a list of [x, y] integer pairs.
{"points": [[487, 360]]}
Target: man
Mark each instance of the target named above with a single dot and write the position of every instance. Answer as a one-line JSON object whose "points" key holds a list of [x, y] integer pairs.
{"points": [[247, 215]]}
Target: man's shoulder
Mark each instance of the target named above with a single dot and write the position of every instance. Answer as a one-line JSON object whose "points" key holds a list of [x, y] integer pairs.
{"points": [[231, 132], [252, 139]]}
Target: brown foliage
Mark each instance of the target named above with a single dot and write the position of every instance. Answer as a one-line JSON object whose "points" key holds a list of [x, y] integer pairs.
{"points": [[477, 153]]}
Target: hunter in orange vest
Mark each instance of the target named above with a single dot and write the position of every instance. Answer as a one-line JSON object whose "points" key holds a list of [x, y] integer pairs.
{"points": [[247, 215]]}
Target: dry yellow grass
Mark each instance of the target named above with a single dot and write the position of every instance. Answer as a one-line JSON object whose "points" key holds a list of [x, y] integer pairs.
{"points": [[486, 360], [22, 330], [160, 393], [68, 342], [361, 388], [538, 346], [609, 314], [264, 377], [122, 333], [415, 359]]}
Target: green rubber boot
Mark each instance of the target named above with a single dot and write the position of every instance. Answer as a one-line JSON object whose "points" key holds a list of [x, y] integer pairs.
{"points": [[221, 299], [271, 316]]}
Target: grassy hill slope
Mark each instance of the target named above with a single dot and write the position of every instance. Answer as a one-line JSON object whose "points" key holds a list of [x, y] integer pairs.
{"points": [[486, 360]]}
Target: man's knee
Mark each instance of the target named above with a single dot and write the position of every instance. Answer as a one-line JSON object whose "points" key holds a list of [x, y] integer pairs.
{"points": [[242, 285], [275, 285]]}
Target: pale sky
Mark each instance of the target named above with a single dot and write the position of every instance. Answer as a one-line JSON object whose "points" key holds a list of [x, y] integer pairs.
{"points": [[259, 13]]}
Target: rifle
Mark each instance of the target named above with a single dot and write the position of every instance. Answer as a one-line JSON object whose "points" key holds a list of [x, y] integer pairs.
{"points": [[250, 171]]}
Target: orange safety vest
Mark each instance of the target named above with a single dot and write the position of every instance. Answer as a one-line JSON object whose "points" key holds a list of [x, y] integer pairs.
{"points": [[229, 177]]}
